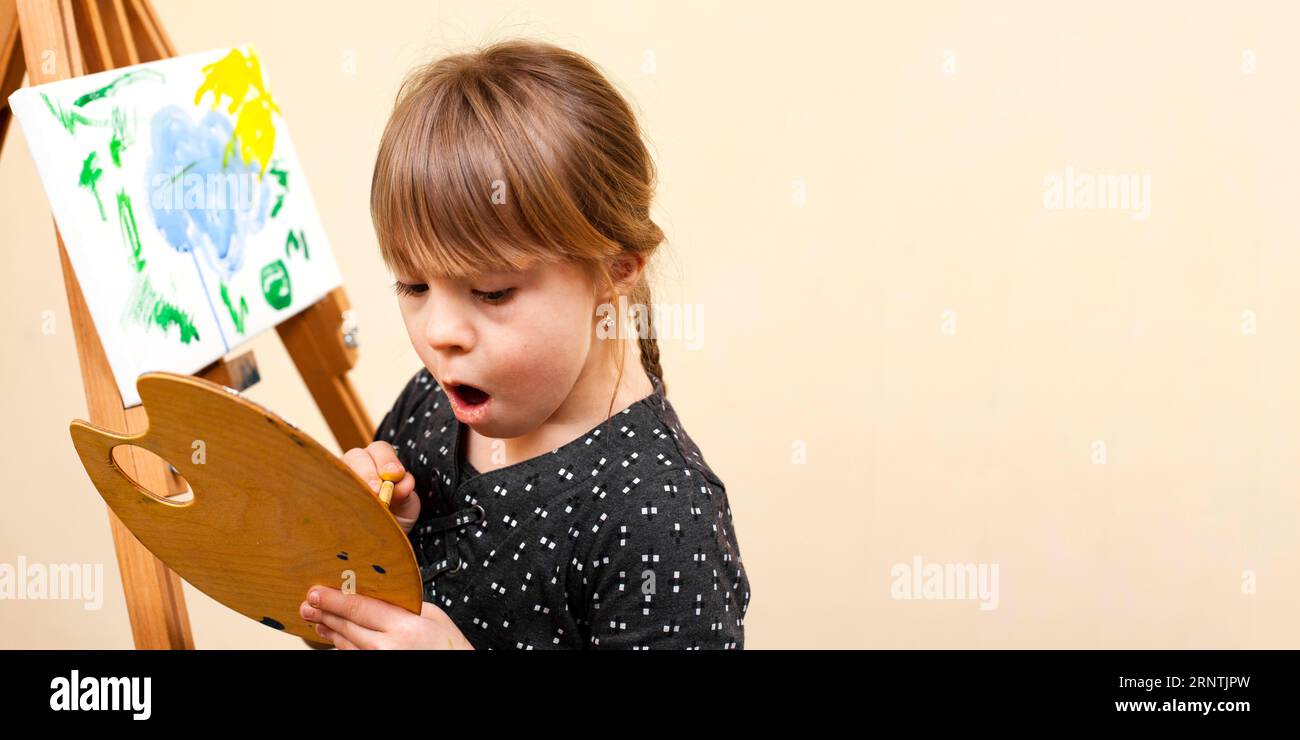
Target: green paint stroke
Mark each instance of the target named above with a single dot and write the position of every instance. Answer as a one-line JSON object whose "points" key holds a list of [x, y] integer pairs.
{"points": [[281, 177], [236, 316], [111, 88], [148, 308], [90, 175], [297, 242], [276, 287], [130, 234], [121, 136], [70, 118], [181, 173]]}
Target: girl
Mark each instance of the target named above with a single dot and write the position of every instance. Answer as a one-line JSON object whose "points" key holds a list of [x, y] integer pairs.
{"points": [[550, 492]]}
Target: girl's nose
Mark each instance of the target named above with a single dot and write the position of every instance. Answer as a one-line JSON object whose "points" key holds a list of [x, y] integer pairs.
{"points": [[447, 328]]}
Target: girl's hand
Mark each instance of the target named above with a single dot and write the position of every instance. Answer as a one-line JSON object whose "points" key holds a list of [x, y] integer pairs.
{"points": [[379, 462], [353, 621]]}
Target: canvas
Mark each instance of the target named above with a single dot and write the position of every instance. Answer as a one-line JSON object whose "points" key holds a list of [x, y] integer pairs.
{"points": [[182, 204]]}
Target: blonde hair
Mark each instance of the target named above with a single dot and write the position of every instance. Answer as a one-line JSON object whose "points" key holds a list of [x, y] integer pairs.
{"points": [[517, 152]]}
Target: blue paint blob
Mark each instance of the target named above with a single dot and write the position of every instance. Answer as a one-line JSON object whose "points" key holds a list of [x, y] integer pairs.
{"points": [[378, 569], [272, 623], [343, 555], [199, 204]]}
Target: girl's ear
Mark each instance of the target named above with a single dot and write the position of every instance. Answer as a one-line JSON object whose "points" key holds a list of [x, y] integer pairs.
{"points": [[625, 270]]}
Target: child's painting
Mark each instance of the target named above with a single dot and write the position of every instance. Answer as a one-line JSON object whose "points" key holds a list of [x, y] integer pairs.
{"points": [[182, 205]]}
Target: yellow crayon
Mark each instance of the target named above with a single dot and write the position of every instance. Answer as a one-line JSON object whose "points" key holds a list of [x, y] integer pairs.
{"points": [[386, 487]]}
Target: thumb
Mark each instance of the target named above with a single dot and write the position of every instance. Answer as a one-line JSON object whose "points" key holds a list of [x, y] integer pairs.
{"points": [[405, 504]]}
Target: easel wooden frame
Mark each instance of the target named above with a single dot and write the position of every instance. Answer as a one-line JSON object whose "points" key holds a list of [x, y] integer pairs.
{"points": [[57, 39]]}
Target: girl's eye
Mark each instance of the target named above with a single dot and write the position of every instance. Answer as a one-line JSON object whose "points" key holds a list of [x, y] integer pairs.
{"points": [[416, 289], [493, 296]]}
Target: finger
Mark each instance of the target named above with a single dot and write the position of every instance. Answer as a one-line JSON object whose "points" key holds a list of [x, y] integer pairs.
{"points": [[405, 504], [386, 462], [364, 466], [365, 612], [403, 488], [354, 633], [406, 511], [340, 642], [309, 613]]}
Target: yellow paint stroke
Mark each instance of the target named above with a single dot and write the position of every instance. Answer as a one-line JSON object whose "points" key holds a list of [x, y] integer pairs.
{"points": [[239, 77]]}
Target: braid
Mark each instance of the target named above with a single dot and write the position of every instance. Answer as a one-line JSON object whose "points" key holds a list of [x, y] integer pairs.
{"points": [[649, 344], [650, 359], [650, 353]]}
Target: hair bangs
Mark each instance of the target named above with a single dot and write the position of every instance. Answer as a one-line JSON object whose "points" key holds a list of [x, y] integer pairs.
{"points": [[462, 187]]}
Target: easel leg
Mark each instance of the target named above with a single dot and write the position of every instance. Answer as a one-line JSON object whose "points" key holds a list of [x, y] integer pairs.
{"points": [[314, 339], [12, 65], [154, 599]]}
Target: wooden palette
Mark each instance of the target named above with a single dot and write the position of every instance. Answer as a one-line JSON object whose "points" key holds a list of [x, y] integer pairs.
{"points": [[273, 512]]}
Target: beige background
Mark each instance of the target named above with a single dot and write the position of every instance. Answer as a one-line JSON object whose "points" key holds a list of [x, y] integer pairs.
{"points": [[921, 134]]}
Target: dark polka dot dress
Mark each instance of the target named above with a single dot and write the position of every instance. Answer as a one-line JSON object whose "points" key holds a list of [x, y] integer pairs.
{"points": [[621, 538]]}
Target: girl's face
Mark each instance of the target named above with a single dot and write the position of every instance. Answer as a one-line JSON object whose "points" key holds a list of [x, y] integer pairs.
{"points": [[508, 348]]}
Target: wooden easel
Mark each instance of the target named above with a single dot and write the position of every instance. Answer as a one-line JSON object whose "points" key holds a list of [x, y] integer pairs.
{"points": [[57, 39]]}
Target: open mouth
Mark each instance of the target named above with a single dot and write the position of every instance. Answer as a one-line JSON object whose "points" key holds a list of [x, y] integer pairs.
{"points": [[469, 396]]}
